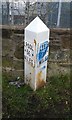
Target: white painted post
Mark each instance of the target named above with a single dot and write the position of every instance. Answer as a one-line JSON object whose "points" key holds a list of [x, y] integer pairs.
{"points": [[36, 49]]}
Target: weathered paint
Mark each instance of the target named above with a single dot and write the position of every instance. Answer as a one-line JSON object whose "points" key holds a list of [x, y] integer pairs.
{"points": [[36, 49]]}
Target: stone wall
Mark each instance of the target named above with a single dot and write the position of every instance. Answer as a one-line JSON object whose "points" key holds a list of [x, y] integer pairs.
{"points": [[12, 49]]}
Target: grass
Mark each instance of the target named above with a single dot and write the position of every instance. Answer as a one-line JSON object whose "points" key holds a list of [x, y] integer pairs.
{"points": [[51, 101]]}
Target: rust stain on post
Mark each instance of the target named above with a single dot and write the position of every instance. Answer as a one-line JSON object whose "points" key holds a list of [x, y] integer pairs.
{"points": [[40, 81], [35, 42]]}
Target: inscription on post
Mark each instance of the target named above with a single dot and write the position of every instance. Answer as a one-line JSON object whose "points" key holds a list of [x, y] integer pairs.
{"points": [[42, 54], [29, 53]]}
